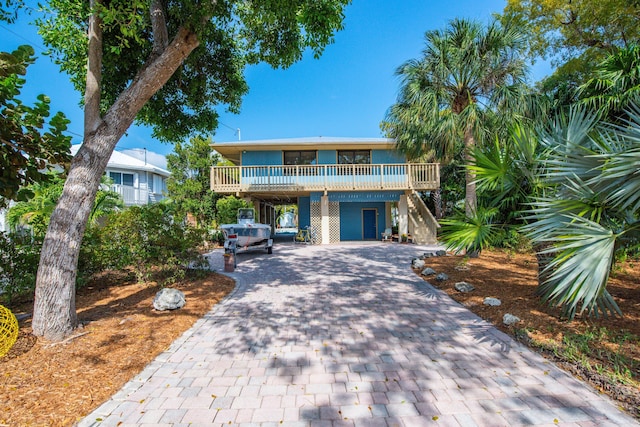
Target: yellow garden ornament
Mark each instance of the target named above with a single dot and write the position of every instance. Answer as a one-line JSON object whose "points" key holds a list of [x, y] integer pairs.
{"points": [[8, 330]]}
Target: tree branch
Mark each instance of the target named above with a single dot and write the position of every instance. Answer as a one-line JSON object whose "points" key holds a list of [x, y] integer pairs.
{"points": [[159, 28]]}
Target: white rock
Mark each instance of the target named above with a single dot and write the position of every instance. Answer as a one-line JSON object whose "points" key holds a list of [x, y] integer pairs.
{"points": [[494, 302], [169, 299], [428, 271], [510, 319], [417, 263], [464, 287]]}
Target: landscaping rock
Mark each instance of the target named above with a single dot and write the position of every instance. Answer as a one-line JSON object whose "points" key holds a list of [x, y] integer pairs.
{"points": [[494, 302], [464, 287], [169, 299], [441, 277], [510, 319], [417, 263], [428, 271], [441, 253], [427, 255]]}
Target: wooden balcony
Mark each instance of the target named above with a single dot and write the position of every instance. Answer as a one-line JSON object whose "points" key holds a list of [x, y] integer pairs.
{"points": [[305, 178]]}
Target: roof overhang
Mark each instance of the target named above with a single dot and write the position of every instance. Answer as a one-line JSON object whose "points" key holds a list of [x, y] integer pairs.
{"points": [[233, 150]]}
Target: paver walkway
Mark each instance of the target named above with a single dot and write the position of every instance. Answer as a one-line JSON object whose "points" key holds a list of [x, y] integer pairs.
{"points": [[342, 336]]}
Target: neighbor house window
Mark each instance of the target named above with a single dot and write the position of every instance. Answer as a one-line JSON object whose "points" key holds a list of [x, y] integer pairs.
{"points": [[308, 157], [358, 157], [121, 178]]}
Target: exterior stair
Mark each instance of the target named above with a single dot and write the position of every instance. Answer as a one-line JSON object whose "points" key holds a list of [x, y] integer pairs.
{"points": [[423, 227]]}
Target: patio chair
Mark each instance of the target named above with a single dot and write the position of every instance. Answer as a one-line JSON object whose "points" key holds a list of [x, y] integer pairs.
{"points": [[386, 235]]}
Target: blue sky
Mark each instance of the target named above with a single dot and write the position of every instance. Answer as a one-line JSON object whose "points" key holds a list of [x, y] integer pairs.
{"points": [[345, 93]]}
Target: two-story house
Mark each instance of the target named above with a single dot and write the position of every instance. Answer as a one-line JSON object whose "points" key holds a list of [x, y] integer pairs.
{"points": [[344, 187], [137, 181]]}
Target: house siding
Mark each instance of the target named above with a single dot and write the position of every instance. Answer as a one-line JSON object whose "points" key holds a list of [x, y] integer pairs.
{"points": [[304, 212], [351, 219], [262, 158], [379, 157], [325, 157]]}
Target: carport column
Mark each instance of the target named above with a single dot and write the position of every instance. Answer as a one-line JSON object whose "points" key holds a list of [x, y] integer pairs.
{"points": [[324, 224], [403, 216], [387, 215]]}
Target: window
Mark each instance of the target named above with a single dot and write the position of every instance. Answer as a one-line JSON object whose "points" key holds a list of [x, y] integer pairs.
{"points": [[300, 157], [358, 157], [122, 178]]}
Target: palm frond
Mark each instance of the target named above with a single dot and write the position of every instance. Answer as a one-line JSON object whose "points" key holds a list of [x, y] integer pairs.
{"points": [[577, 276], [463, 233]]}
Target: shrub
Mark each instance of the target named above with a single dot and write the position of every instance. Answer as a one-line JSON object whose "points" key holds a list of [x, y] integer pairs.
{"points": [[149, 237], [19, 257]]}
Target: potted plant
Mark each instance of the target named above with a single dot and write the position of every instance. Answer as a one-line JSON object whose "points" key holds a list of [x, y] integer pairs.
{"points": [[403, 238]]}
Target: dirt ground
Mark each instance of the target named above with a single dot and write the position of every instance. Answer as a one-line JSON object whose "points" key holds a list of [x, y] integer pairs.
{"points": [[512, 278], [45, 384]]}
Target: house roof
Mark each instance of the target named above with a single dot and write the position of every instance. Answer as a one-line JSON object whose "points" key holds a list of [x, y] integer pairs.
{"points": [[123, 161], [233, 150]]}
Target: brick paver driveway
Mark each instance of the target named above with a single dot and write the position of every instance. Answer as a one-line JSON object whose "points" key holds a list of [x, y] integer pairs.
{"points": [[348, 335]]}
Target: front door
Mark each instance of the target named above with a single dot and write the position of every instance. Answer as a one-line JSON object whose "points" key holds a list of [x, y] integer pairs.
{"points": [[369, 224]]}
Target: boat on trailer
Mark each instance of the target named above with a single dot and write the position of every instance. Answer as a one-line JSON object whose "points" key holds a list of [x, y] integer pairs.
{"points": [[246, 234]]}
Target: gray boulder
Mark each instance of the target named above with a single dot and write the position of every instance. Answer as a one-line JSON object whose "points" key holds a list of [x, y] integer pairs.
{"points": [[417, 263], [464, 287], [494, 302], [510, 319], [169, 299], [441, 277], [428, 271], [441, 253]]}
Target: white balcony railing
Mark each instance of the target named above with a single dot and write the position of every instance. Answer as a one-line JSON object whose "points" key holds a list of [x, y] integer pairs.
{"points": [[416, 176]]}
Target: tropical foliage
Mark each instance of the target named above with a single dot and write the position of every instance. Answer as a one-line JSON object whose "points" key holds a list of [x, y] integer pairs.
{"points": [[585, 29], [509, 177], [36, 212], [615, 84], [227, 209], [149, 237], [593, 214], [189, 185], [30, 146], [449, 96]]}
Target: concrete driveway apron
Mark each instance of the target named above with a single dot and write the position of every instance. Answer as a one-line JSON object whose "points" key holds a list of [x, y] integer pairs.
{"points": [[347, 335]]}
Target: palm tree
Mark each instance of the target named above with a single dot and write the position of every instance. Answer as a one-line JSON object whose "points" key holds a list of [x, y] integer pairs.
{"points": [[593, 213], [616, 83], [466, 74], [509, 176], [36, 211]]}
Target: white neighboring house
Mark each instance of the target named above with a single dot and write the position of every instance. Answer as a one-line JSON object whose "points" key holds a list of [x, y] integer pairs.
{"points": [[137, 181]]}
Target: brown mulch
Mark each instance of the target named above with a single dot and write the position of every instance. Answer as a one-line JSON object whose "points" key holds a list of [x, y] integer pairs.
{"points": [[57, 384], [512, 278]]}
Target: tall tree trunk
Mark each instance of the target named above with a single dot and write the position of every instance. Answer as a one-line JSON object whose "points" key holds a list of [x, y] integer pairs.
{"points": [[54, 312], [436, 198], [470, 198]]}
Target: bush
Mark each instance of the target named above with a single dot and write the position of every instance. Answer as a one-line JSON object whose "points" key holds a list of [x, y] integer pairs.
{"points": [[510, 238], [149, 237], [19, 258]]}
